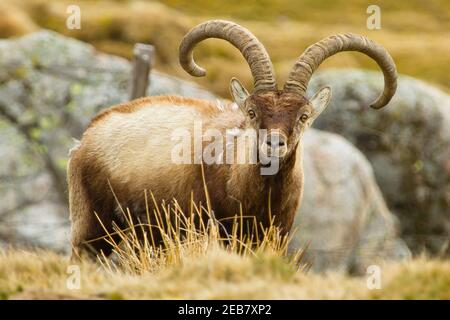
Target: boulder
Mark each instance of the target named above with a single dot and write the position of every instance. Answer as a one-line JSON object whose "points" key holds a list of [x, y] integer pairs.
{"points": [[407, 143], [51, 86], [343, 219]]}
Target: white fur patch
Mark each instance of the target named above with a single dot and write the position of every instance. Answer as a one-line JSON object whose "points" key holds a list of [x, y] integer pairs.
{"points": [[77, 144], [220, 105]]}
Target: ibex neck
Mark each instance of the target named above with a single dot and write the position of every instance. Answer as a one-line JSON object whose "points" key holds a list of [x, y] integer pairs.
{"points": [[247, 183]]}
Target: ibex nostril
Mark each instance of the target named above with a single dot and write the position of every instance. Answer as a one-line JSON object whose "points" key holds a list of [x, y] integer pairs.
{"points": [[280, 142]]}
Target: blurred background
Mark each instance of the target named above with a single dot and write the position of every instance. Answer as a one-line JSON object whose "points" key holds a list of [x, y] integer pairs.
{"points": [[395, 205], [415, 32]]}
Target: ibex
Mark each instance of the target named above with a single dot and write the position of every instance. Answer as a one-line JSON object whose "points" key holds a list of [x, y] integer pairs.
{"points": [[127, 148]]}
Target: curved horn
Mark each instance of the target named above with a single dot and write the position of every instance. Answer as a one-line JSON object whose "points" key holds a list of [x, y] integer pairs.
{"points": [[314, 55], [252, 50]]}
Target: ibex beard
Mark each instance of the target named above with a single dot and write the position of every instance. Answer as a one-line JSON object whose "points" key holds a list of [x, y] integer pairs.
{"points": [[141, 145]]}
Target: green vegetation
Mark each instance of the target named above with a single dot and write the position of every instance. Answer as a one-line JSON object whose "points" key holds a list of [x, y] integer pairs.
{"points": [[415, 33]]}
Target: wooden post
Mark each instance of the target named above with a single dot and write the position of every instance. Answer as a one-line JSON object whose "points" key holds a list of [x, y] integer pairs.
{"points": [[142, 64]]}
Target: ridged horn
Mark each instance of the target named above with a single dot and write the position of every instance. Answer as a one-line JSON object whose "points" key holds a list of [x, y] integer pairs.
{"points": [[314, 55], [252, 50]]}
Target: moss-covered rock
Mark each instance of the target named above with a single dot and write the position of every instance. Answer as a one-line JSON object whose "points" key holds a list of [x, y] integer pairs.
{"points": [[407, 143], [51, 86], [343, 217]]}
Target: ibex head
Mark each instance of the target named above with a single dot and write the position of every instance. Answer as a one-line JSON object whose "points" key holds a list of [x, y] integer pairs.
{"points": [[284, 113]]}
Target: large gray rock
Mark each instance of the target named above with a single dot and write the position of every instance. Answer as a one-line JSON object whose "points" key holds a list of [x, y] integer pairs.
{"points": [[343, 218], [51, 86], [407, 143], [57, 84]]}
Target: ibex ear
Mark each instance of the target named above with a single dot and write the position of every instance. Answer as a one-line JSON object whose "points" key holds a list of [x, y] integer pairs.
{"points": [[238, 92], [319, 102]]}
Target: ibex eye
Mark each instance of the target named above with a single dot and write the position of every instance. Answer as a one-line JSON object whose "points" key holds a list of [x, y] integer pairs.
{"points": [[251, 114], [303, 117]]}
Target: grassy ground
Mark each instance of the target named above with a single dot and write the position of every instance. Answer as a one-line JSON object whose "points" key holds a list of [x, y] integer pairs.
{"points": [[416, 33], [194, 263], [218, 275]]}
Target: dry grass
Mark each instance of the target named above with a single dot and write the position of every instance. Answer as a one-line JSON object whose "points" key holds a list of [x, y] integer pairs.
{"points": [[169, 237], [194, 262], [14, 22], [217, 275], [415, 33]]}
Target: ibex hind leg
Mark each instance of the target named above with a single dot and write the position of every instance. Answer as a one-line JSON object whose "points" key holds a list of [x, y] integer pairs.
{"points": [[88, 236]]}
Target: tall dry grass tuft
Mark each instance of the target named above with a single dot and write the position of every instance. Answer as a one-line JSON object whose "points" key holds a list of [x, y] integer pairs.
{"points": [[169, 237]]}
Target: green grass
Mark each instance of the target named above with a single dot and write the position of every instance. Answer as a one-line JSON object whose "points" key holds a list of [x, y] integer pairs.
{"points": [[398, 15], [416, 33]]}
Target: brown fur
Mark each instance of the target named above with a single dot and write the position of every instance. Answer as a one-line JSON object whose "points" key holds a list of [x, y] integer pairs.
{"points": [[113, 156]]}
